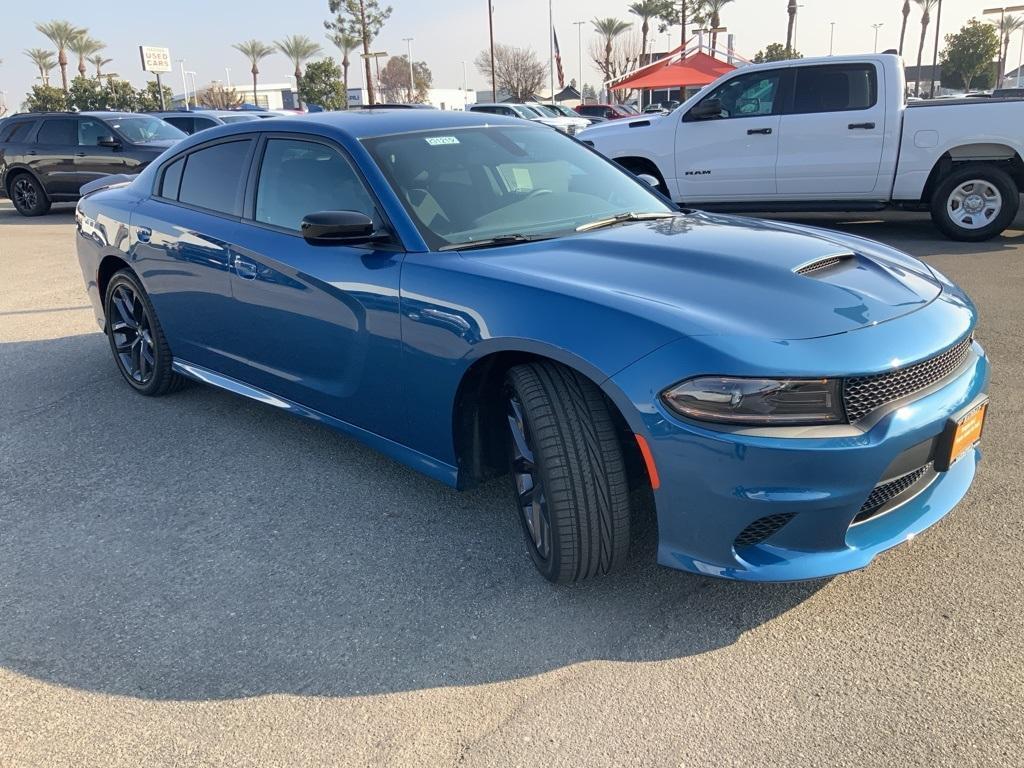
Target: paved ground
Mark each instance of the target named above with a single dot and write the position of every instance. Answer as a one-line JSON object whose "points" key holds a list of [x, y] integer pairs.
{"points": [[200, 580]]}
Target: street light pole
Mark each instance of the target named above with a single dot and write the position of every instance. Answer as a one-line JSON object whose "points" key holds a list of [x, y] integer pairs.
{"points": [[831, 37], [551, 47], [412, 80], [876, 27], [579, 55], [490, 24], [227, 72], [184, 82], [935, 53]]}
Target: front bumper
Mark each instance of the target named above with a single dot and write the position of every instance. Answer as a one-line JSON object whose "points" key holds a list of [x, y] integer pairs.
{"points": [[716, 484]]}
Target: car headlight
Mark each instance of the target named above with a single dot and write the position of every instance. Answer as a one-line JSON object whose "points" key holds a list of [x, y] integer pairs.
{"points": [[736, 400]]}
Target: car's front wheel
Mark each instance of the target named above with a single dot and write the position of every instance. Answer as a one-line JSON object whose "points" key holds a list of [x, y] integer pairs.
{"points": [[137, 341], [975, 202], [569, 474], [28, 195]]}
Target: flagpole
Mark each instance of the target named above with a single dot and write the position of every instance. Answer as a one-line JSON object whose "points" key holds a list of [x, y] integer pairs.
{"points": [[551, 47]]}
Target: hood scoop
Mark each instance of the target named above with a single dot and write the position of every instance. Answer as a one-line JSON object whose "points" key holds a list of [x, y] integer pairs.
{"points": [[827, 263]]}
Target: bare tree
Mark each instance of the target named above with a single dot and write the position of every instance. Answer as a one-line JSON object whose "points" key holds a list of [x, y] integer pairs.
{"points": [[394, 81], [622, 57], [516, 70]]}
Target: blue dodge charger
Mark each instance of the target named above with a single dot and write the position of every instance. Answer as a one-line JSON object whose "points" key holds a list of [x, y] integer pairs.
{"points": [[477, 296]]}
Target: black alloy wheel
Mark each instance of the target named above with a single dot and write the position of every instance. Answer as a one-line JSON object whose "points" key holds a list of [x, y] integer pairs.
{"points": [[28, 196], [529, 486], [136, 339]]}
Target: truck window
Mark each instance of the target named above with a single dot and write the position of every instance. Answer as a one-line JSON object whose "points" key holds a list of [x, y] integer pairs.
{"points": [[752, 95], [835, 88]]}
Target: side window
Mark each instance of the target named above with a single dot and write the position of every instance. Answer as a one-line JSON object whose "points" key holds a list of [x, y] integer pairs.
{"points": [[62, 131], [90, 130], [181, 123], [214, 177], [835, 88], [17, 132], [301, 177], [171, 181], [752, 95], [202, 123]]}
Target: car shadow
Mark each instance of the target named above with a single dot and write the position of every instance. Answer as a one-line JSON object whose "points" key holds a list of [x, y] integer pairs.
{"points": [[60, 213], [200, 546]]}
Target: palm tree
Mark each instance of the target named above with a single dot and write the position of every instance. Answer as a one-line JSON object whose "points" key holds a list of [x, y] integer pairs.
{"points": [[926, 18], [1008, 24], [255, 51], [903, 29], [99, 62], [791, 26], [713, 10], [646, 10], [61, 34], [298, 48], [44, 61], [84, 46], [346, 44], [609, 28]]}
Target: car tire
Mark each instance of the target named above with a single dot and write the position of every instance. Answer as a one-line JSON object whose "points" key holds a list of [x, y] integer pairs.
{"points": [[27, 195], [570, 484], [137, 341], [987, 188]]}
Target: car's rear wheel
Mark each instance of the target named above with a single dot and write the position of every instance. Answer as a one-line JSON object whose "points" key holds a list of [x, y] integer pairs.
{"points": [[28, 195], [569, 474], [975, 202], [137, 341]]}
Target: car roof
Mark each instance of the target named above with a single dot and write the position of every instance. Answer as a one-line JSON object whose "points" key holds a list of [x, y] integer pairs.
{"points": [[94, 113]]}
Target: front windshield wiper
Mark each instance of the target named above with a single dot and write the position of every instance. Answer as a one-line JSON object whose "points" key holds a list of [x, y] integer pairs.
{"points": [[621, 217], [487, 242]]}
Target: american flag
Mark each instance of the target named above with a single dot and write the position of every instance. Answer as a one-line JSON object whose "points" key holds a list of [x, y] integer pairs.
{"points": [[558, 61]]}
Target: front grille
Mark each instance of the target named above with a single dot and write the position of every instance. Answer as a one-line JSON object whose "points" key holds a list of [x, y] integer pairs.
{"points": [[761, 529], [864, 394], [883, 493]]}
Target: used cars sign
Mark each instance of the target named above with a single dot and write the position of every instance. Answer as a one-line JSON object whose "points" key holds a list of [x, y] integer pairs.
{"points": [[155, 59]]}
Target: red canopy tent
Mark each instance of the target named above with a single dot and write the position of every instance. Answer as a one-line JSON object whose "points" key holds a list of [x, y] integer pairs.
{"points": [[697, 69]]}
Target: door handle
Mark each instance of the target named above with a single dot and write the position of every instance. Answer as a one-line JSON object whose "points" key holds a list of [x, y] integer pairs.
{"points": [[245, 269], [143, 233], [80, 154], [762, 131], [32, 152], [865, 126]]}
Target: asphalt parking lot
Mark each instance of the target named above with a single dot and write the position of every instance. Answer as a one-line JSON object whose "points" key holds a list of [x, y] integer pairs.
{"points": [[201, 580]]}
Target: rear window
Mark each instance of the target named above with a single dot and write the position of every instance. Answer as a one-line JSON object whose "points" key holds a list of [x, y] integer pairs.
{"points": [[835, 88], [214, 177]]}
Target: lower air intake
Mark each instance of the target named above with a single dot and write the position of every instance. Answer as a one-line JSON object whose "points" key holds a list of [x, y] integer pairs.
{"points": [[761, 529], [883, 493]]}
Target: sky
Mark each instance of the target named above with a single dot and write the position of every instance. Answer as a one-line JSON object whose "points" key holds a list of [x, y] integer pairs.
{"points": [[446, 32]]}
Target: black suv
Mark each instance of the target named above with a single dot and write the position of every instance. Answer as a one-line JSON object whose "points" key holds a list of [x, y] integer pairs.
{"points": [[47, 157]]}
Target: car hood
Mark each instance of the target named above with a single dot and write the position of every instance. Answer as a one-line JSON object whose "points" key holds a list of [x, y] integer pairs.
{"points": [[702, 274]]}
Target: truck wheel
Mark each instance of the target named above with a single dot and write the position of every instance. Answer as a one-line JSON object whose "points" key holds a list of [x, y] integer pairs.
{"points": [[975, 202], [28, 195], [569, 474]]}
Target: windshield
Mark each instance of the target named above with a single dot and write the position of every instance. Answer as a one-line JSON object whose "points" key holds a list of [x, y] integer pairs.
{"points": [[467, 184], [143, 128], [523, 111], [544, 110]]}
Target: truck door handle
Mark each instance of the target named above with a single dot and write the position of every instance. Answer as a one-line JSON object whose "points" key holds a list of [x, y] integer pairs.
{"points": [[80, 154], [762, 131], [245, 269], [32, 152], [143, 233], [865, 126]]}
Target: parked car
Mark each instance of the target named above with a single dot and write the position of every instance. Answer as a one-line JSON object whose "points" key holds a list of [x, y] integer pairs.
{"points": [[1008, 93], [831, 134], [525, 112], [475, 296], [190, 121], [574, 121], [47, 157], [392, 105], [607, 111], [565, 111]]}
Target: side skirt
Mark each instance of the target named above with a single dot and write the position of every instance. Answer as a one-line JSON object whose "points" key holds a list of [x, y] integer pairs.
{"points": [[428, 465], [792, 206]]}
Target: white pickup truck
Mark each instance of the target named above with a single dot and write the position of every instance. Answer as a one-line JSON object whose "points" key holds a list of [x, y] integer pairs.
{"points": [[830, 134]]}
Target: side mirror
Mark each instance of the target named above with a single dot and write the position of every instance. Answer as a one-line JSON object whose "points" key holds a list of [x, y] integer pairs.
{"points": [[108, 141], [647, 179], [709, 109], [338, 228]]}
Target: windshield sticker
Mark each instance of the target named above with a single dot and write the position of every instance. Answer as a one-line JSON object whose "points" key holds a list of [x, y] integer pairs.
{"points": [[438, 140]]}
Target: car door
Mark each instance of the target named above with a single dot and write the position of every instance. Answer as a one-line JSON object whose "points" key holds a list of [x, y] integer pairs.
{"points": [[731, 154], [316, 324], [833, 133], [92, 160], [181, 239], [52, 157]]}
